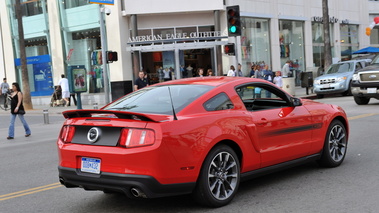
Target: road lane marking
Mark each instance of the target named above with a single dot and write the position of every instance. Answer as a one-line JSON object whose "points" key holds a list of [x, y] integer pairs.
{"points": [[362, 116], [29, 191]]}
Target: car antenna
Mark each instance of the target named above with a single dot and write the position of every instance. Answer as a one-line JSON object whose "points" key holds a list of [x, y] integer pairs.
{"points": [[172, 104]]}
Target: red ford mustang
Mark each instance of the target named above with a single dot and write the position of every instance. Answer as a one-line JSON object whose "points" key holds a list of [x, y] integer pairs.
{"points": [[199, 135]]}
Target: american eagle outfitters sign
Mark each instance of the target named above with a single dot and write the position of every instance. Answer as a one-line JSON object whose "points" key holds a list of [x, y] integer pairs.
{"points": [[170, 36]]}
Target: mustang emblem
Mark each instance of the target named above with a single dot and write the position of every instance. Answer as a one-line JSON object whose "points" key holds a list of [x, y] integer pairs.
{"points": [[93, 134]]}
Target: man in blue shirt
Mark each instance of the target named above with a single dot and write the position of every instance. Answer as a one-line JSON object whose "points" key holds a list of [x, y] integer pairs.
{"points": [[141, 81]]}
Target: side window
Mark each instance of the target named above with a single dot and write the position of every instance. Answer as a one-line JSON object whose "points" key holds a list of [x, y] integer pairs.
{"points": [[358, 66], [262, 97], [218, 102]]}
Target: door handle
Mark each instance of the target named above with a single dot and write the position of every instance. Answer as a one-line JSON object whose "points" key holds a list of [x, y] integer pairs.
{"points": [[263, 122]]}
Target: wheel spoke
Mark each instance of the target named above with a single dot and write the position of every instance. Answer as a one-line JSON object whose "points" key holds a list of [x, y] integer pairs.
{"points": [[232, 164]]}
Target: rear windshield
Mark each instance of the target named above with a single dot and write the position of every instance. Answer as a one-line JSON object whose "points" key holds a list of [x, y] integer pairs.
{"points": [[157, 99], [340, 68]]}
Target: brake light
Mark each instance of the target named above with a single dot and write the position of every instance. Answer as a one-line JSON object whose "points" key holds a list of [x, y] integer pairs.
{"points": [[136, 137], [67, 133]]}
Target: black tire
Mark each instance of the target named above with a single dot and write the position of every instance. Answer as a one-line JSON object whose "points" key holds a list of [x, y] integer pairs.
{"points": [[348, 91], [335, 145], [319, 96], [219, 177], [361, 100]]}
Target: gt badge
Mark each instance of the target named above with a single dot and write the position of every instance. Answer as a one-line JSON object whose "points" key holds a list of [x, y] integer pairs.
{"points": [[93, 134]]}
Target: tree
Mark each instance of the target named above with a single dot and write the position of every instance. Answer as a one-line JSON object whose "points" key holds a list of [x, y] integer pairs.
{"points": [[327, 46], [27, 100]]}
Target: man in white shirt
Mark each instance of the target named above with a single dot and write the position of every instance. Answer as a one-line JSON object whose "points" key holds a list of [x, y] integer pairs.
{"points": [[286, 69], [65, 89]]}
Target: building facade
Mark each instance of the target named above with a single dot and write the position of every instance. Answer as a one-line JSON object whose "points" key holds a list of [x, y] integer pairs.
{"points": [[181, 36]]}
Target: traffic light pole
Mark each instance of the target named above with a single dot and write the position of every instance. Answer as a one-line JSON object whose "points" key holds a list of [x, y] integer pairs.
{"points": [[103, 36]]}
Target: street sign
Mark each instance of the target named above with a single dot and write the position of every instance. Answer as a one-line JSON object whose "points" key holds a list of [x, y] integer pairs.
{"points": [[109, 2]]}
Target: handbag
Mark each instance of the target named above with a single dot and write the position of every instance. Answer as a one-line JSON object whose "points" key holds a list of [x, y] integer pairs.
{"points": [[21, 112]]}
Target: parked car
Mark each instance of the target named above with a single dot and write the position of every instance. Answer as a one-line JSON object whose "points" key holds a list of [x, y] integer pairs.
{"points": [[197, 135], [337, 78], [365, 83]]}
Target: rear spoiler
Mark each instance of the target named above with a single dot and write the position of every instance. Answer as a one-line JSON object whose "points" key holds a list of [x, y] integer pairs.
{"points": [[98, 113]]}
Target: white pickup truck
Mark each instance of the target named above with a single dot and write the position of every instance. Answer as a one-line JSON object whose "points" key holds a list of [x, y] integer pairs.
{"points": [[365, 83]]}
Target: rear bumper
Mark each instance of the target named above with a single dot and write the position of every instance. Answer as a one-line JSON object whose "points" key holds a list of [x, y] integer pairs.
{"points": [[124, 183]]}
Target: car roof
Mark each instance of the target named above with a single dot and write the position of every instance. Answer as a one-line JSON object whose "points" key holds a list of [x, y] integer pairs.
{"points": [[211, 81], [355, 60]]}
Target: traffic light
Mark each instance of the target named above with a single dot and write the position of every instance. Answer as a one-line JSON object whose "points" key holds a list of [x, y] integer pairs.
{"points": [[111, 56], [229, 49], [234, 20]]}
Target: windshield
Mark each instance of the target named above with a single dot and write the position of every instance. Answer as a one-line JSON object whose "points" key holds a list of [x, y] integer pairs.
{"points": [[156, 99], [340, 68], [375, 60]]}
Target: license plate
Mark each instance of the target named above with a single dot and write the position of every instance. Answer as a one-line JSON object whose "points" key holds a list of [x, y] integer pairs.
{"points": [[91, 165], [371, 90], [326, 86]]}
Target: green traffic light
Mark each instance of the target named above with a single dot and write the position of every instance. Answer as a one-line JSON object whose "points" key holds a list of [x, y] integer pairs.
{"points": [[233, 29]]}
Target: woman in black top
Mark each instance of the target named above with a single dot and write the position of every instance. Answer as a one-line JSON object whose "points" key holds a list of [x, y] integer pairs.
{"points": [[17, 108]]}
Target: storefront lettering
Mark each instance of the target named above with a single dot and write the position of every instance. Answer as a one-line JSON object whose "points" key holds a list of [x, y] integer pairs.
{"points": [[158, 37], [319, 19], [346, 21]]}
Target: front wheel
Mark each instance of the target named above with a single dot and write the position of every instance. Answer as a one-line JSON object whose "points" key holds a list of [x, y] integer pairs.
{"points": [[219, 177], [335, 145], [361, 100]]}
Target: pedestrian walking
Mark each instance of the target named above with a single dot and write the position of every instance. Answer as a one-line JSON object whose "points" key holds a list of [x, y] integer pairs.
{"points": [[65, 89], [4, 90], [17, 108]]}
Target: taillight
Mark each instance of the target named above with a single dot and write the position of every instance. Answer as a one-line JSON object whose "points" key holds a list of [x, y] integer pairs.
{"points": [[136, 137], [67, 133]]}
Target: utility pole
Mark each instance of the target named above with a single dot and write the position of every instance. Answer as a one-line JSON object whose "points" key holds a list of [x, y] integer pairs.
{"points": [[27, 100], [327, 46]]}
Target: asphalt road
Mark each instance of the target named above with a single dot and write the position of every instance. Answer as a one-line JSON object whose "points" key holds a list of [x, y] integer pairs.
{"points": [[29, 177]]}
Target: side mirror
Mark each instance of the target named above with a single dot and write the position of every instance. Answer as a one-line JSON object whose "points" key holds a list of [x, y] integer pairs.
{"points": [[296, 102]]}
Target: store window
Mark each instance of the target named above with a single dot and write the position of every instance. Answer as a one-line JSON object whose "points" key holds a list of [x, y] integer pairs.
{"points": [[82, 42], [291, 39], [31, 8], [255, 42], [374, 37], [318, 43], [74, 3], [349, 40]]}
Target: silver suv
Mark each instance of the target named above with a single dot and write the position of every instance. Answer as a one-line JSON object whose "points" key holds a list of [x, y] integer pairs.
{"points": [[337, 78]]}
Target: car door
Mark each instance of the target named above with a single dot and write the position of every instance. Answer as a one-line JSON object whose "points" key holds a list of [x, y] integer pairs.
{"points": [[278, 130]]}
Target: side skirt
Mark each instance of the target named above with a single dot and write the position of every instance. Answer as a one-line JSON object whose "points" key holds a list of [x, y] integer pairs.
{"points": [[278, 167]]}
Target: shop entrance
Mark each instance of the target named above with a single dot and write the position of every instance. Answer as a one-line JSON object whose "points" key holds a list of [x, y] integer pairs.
{"points": [[159, 62]]}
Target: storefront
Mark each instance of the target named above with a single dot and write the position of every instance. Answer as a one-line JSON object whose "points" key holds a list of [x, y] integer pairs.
{"points": [[255, 42], [180, 50], [349, 39], [318, 39]]}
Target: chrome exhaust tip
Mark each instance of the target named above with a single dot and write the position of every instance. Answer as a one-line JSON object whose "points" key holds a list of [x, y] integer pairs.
{"points": [[137, 193]]}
